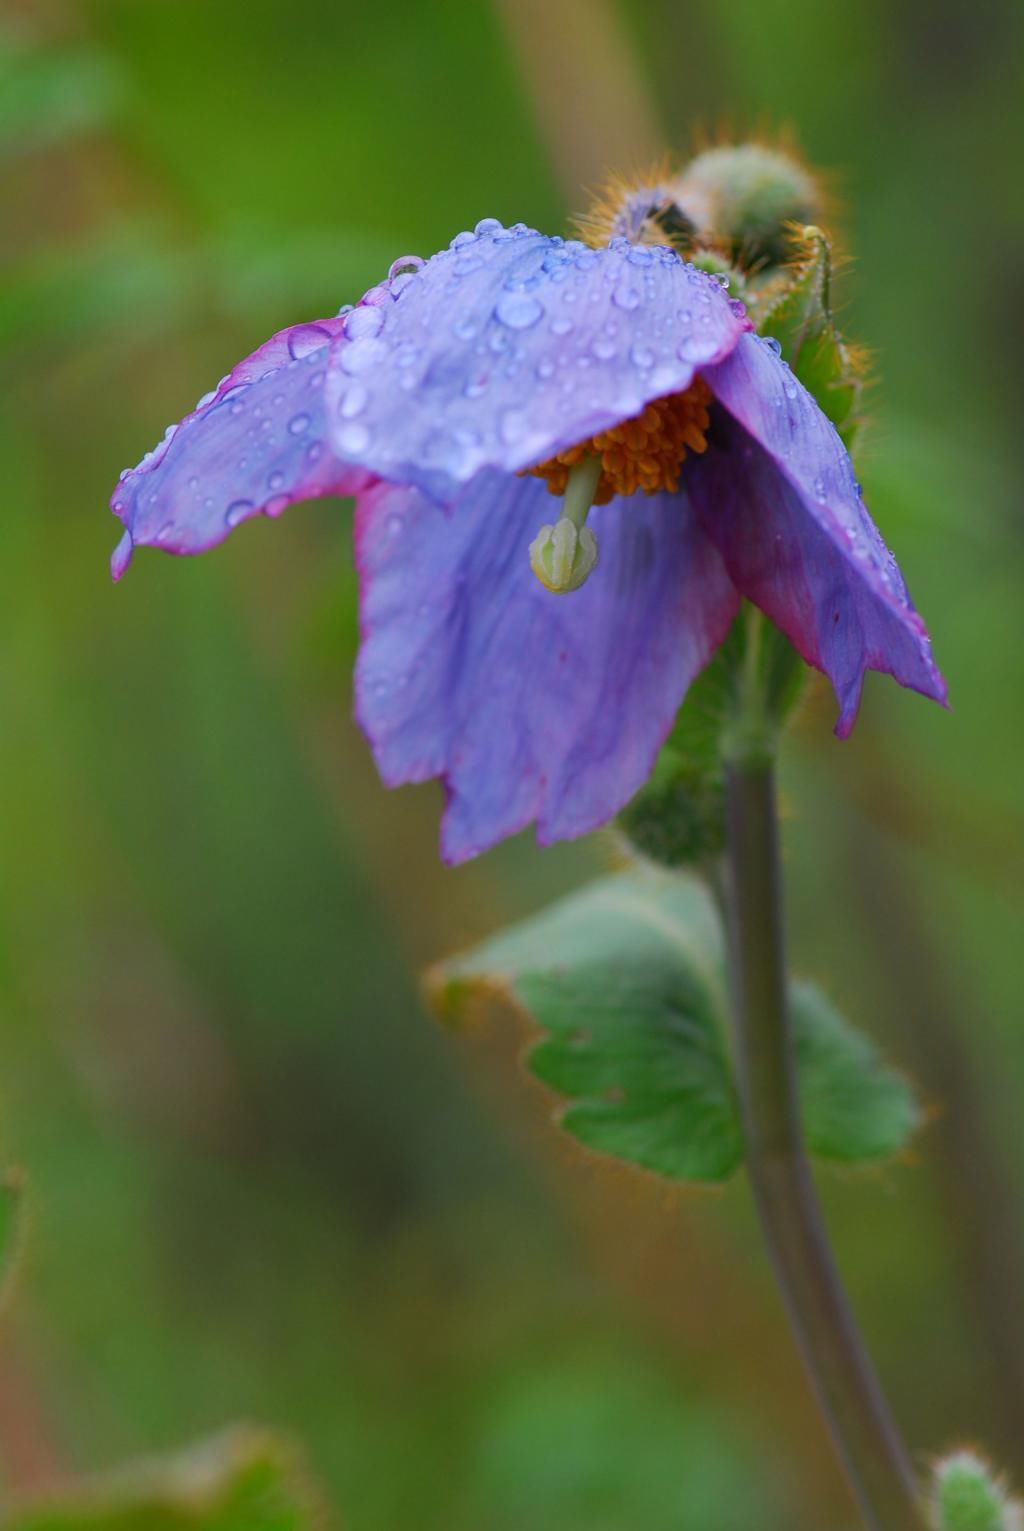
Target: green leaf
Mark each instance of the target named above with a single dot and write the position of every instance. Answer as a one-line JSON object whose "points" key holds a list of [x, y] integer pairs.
{"points": [[244, 1480], [854, 1107], [968, 1497], [796, 310], [627, 982]]}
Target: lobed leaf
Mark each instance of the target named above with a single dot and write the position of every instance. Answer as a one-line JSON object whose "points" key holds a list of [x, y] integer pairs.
{"points": [[626, 981]]}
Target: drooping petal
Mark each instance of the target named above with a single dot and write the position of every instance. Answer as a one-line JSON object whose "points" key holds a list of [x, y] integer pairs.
{"points": [[256, 444], [777, 494], [511, 346], [529, 705]]}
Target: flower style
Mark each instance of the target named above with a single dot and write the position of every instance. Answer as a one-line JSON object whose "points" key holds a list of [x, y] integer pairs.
{"points": [[536, 667]]}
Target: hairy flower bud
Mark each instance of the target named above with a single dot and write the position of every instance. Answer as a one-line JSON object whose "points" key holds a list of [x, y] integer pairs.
{"points": [[968, 1497], [744, 196]]}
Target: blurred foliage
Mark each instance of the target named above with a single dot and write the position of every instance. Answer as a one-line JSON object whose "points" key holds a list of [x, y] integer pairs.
{"points": [[263, 1186], [243, 1481]]}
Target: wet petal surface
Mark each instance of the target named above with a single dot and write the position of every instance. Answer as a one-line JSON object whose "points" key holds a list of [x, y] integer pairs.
{"points": [[511, 346], [529, 705], [253, 446], [777, 494]]}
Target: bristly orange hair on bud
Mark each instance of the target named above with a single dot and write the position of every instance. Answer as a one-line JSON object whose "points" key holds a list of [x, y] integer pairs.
{"points": [[733, 199], [624, 198]]}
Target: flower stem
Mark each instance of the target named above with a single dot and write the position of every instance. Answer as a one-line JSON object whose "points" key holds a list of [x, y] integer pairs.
{"points": [[848, 1392]]}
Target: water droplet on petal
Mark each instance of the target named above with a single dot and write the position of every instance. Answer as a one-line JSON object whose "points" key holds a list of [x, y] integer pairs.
{"points": [[461, 240], [354, 437], [626, 296], [364, 322], [275, 480], [353, 401], [406, 263], [604, 350], [561, 325], [518, 310], [276, 505], [513, 426], [298, 424], [545, 367], [362, 354], [306, 339], [641, 356], [489, 226], [237, 511], [314, 451], [773, 345]]}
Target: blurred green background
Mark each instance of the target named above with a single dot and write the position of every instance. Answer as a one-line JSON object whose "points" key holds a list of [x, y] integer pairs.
{"points": [[264, 1185]]}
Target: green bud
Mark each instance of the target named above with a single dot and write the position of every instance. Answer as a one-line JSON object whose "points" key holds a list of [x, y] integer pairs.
{"points": [[563, 556], [744, 196], [968, 1497]]}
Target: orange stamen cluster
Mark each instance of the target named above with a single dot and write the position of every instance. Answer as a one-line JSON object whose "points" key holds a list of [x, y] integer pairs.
{"points": [[645, 453]]}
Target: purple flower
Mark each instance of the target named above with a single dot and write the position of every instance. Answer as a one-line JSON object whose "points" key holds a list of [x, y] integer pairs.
{"points": [[606, 371]]}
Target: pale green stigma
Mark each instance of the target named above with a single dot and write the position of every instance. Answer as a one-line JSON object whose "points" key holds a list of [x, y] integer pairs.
{"points": [[564, 556]]}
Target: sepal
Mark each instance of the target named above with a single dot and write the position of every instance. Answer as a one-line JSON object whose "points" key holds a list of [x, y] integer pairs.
{"points": [[795, 309]]}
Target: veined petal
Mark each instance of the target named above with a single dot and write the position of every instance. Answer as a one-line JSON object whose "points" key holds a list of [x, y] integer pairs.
{"points": [[256, 444], [511, 346], [777, 494], [529, 705]]}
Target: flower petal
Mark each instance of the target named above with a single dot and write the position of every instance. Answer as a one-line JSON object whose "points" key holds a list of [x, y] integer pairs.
{"points": [[256, 444], [511, 346], [529, 705], [777, 494]]}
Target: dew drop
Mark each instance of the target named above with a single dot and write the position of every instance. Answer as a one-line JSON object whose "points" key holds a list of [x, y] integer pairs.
{"points": [[773, 345], [359, 355], [406, 264], [604, 350], [488, 226], [314, 451], [306, 339], [641, 356], [513, 426], [364, 323], [354, 437], [237, 511], [626, 296], [353, 401], [561, 325], [275, 480], [461, 240], [518, 310], [298, 424]]}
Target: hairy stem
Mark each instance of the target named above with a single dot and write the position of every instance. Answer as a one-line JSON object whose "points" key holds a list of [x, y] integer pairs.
{"points": [[841, 1373]]}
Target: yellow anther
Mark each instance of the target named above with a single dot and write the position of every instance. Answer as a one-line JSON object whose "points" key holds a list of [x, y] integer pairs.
{"points": [[646, 452]]}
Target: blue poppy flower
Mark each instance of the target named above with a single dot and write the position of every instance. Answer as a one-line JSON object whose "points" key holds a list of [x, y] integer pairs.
{"points": [[535, 667]]}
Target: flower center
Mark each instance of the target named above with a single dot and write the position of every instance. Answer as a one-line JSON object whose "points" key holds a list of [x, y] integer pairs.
{"points": [[645, 453]]}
